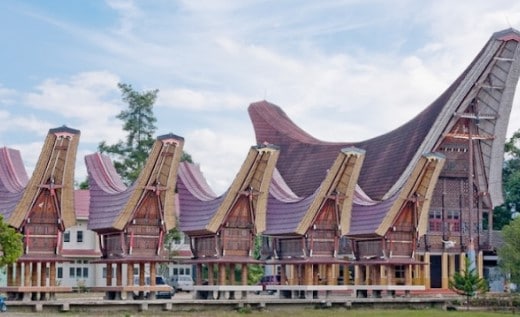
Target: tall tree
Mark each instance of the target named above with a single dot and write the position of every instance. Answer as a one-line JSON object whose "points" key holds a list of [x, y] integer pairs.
{"points": [[511, 182], [139, 122], [509, 253], [11, 245]]}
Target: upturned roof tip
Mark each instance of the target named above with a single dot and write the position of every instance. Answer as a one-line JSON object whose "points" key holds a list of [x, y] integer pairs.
{"points": [[64, 128]]}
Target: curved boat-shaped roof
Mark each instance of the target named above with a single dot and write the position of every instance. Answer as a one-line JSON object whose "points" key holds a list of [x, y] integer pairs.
{"points": [[13, 179], [112, 204], [108, 194], [391, 157], [376, 219], [197, 201]]}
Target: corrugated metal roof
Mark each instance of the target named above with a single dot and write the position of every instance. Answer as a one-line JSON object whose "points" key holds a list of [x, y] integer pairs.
{"points": [[387, 156], [13, 179]]}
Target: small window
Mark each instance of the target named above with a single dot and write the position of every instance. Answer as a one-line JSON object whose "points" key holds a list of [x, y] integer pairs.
{"points": [[104, 272], [79, 236], [188, 271], [66, 236], [72, 272], [85, 272], [175, 271], [399, 271], [59, 273], [78, 272], [181, 271]]}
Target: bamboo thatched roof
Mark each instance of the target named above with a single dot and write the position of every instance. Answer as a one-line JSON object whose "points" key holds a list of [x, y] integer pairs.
{"points": [[54, 171]]}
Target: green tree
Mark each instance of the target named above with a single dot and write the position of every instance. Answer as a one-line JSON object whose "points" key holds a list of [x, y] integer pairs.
{"points": [[139, 122], [509, 253], [255, 271], [467, 282], [511, 182], [11, 245]]}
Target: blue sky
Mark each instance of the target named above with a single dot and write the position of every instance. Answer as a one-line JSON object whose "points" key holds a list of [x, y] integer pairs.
{"points": [[342, 69]]}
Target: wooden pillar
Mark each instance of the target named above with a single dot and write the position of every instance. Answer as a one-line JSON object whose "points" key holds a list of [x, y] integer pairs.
{"points": [[451, 269], [34, 274], [232, 279], [244, 274], [357, 275], [18, 277], [408, 274], [119, 274], [27, 274], [480, 264], [43, 278], [130, 274], [153, 273], [129, 280], [383, 277], [211, 276], [367, 275], [390, 274], [142, 280], [426, 271], [43, 274], [10, 275], [444, 270], [462, 262], [52, 274], [109, 274], [331, 277], [283, 275], [198, 274], [308, 274], [221, 274]]}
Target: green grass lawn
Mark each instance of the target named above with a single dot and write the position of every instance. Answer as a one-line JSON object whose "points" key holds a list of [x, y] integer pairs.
{"points": [[348, 313], [288, 312], [302, 312]]}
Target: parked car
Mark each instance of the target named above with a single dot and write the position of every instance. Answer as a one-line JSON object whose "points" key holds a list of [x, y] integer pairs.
{"points": [[159, 280], [269, 280], [182, 283]]}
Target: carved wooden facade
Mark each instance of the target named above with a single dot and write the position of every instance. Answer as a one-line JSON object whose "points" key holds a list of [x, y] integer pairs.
{"points": [[132, 222], [42, 215], [309, 248], [227, 235], [388, 255]]}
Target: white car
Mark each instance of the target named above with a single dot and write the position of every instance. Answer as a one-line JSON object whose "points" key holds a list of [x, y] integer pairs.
{"points": [[182, 283], [159, 280]]}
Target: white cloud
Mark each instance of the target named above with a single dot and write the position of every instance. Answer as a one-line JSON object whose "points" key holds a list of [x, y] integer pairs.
{"points": [[342, 70], [90, 100], [220, 155], [197, 100]]}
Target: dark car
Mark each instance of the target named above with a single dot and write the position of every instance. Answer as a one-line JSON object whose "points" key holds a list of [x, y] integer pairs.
{"points": [[269, 280]]}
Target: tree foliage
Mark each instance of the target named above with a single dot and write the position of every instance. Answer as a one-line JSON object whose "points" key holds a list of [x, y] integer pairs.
{"points": [[139, 123], [11, 245], [467, 282], [511, 182], [509, 253]]}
